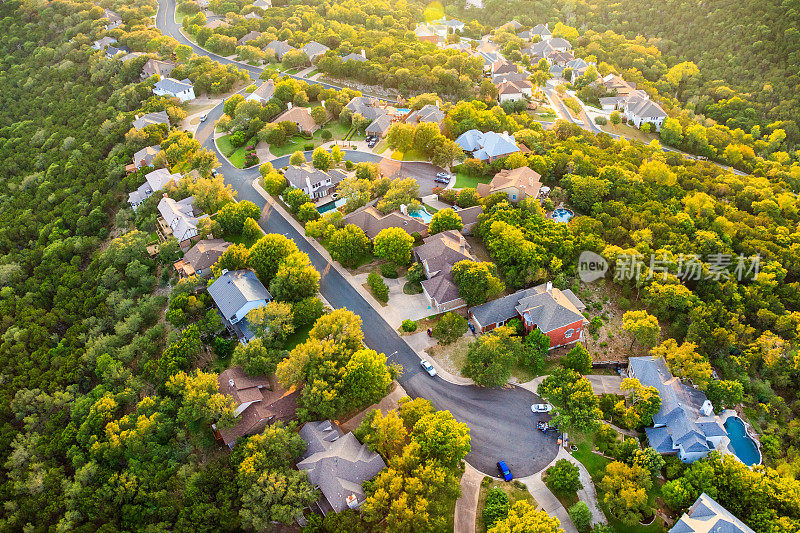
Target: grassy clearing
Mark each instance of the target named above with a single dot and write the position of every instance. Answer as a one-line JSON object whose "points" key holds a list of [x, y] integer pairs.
{"points": [[515, 493], [411, 155], [234, 155], [629, 132], [298, 142], [453, 356], [464, 181], [298, 337]]}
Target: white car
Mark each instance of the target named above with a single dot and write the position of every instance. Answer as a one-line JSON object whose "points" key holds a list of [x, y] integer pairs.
{"points": [[541, 408], [203, 118], [427, 367]]}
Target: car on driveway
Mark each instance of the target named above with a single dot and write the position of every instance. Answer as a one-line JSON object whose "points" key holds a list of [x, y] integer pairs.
{"points": [[203, 118], [541, 408], [427, 367], [502, 467], [442, 177]]}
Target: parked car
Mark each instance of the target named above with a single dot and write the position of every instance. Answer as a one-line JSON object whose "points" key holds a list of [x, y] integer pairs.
{"points": [[472, 328], [203, 118], [427, 367], [541, 408], [371, 142], [502, 467]]}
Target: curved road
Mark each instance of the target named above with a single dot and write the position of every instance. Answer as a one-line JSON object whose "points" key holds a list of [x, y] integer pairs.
{"points": [[500, 420]]}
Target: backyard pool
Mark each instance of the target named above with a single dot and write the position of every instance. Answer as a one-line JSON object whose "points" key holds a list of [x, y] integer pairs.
{"points": [[422, 214], [324, 208], [562, 215], [742, 444]]}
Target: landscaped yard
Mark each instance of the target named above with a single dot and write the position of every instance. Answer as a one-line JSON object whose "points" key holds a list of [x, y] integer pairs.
{"points": [[234, 155], [411, 155], [298, 142], [629, 132], [514, 491], [298, 337], [464, 181]]}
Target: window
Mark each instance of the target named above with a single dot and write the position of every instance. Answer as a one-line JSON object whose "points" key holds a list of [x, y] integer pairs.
{"points": [[569, 333]]}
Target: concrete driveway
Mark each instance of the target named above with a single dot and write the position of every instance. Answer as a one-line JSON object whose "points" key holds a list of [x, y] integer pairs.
{"points": [[605, 384]]}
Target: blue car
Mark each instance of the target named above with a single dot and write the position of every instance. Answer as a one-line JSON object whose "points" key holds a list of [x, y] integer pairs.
{"points": [[502, 467]]}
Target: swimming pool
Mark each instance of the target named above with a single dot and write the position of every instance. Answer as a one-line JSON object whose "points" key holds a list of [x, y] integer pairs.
{"points": [[422, 214], [330, 206], [742, 445], [562, 215]]}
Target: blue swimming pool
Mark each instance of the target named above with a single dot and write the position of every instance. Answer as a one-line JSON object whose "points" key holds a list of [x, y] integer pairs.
{"points": [[330, 206], [562, 215], [422, 214], [742, 444]]}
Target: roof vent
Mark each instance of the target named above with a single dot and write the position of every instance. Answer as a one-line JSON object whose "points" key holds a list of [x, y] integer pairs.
{"points": [[224, 271], [231, 383], [352, 502]]}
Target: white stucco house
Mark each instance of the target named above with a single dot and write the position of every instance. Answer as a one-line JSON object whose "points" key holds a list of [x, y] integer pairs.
{"points": [[183, 90]]}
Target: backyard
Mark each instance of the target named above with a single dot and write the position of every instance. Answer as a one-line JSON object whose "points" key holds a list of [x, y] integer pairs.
{"points": [[463, 181]]}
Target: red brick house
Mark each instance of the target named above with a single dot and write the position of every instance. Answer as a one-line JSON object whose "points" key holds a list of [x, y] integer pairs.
{"points": [[554, 312]]}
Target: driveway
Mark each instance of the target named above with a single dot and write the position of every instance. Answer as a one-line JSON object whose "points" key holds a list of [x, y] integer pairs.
{"points": [[500, 421]]}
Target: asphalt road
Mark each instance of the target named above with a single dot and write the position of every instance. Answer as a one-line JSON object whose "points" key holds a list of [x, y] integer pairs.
{"points": [[501, 423]]}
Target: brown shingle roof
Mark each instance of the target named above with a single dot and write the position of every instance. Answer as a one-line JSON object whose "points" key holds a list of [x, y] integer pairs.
{"points": [[300, 116], [524, 179], [372, 222]]}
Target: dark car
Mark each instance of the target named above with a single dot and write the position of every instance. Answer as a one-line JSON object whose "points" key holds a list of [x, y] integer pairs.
{"points": [[502, 467]]}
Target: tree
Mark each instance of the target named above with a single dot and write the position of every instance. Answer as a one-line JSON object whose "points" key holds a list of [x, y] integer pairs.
{"points": [[443, 220], [491, 356], [201, 403], [378, 287], [646, 403], [615, 117], [401, 192], [684, 362], [586, 191], [451, 326], [307, 212], [295, 279], [272, 322], [572, 394], [642, 326], [495, 507], [578, 359], [671, 132], [400, 136], [411, 411], [725, 394], [534, 350], [306, 311], [268, 253], [625, 488], [232, 216], [564, 477], [366, 378], [476, 281], [257, 359], [296, 198], [441, 438], [319, 115], [349, 245], [650, 460], [524, 517], [235, 257], [385, 435], [297, 158], [321, 159], [394, 244], [581, 516]]}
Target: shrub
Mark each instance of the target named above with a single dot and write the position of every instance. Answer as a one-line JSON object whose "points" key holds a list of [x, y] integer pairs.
{"points": [[250, 159], [595, 324], [308, 147], [563, 477], [581, 516], [416, 273], [496, 507], [602, 121], [515, 324], [349, 165], [389, 270], [409, 325], [306, 311], [378, 287]]}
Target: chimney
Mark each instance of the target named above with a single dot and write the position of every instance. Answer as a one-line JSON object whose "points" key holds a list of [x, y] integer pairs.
{"points": [[437, 104], [224, 271], [288, 106], [549, 286], [352, 502], [363, 53]]}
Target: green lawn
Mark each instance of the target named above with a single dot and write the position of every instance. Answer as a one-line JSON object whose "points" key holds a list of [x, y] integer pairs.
{"points": [[235, 156], [629, 132], [298, 337], [411, 155], [463, 181], [514, 491], [338, 130]]}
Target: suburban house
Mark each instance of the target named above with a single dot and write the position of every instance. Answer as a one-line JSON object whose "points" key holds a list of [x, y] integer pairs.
{"points": [[131, 55], [113, 51], [539, 50], [452, 25], [428, 113], [509, 91], [201, 257], [183, 90], [379, 126], [510, 76], [352, 56], [260, 401], [337, 464], [560, 59], [462, 47], [181, 219], [145, 156], [154, 181], [159, 117], [300, 116], [102, 43], [640, 111], [503, 66], [707, 516], [249, 36], [560, 44], [366, 106], [253, 15], [513, 24], [469, 218], [372, 222], [487, 146], [281, 48], [437, 255], [263, 93], [314, 49], [316, 183], [554, 312], [542, 31], [578, 66], [517, 184], [428, 34], [488, 58], [615, 84], [263, 4], [685, 425], [236, 294], [157, 67], [114, 20], [212, 23]]}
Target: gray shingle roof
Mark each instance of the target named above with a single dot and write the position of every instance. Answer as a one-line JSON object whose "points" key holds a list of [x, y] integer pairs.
{"points": [[380, 125], [205, 253], [173, 86], [546, 312], [354, 57], [429, 113], [297, 176], [337, 463], [280, 48], [314, 49], [708, 516], [366, 106], [159, 117], [232, 290], [546, 309]]}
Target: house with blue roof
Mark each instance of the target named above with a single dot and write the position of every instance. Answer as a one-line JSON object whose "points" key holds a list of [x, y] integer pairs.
{"points": [[708, 516], [487, 146], [686, 424]]}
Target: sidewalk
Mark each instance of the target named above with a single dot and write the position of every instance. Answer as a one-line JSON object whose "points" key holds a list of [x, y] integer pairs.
{"points": [[467, 505], [548, 501], [588, 494]]}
